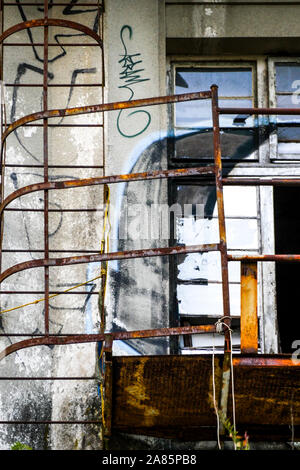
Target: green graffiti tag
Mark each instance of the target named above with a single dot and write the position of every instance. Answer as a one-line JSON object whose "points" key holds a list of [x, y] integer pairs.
{"points": [[130, 76]]}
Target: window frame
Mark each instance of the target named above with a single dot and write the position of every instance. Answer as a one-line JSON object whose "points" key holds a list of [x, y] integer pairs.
{"points": [[211, 63], [264, 166], [274, 155]]}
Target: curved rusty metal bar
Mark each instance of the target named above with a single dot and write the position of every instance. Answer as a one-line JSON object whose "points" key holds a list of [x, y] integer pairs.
{"points": [[39, 23], [156, 174], [120, 335], [118, 255], [50, 22], [95, 108]]}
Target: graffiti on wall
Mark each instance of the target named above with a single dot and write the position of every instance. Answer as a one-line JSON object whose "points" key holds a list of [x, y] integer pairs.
{"points": [[27, 68], [131, 75]]}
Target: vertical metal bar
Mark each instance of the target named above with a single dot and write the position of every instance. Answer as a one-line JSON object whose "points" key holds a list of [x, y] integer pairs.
{"points": [[221, 213], [2, 123], [249, 321], [104, 265], [224, 392], [108, 389], [46, 176]]}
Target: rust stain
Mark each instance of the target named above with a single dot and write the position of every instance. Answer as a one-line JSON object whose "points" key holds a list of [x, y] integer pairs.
{"points": [[138, 397], [249, 320]]}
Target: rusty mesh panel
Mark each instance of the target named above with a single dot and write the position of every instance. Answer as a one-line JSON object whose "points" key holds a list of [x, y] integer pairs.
{"points": [[171, 396], [169, 393]]}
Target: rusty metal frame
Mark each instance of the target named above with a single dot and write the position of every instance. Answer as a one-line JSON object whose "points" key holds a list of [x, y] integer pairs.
{"points": [[248, 262]]}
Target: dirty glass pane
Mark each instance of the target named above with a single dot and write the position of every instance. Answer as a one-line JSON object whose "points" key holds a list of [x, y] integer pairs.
{"points": [[193, 138], [287, 101], [287, 76], [287, 89], [289, 142], [237, 144], [288, 133], [231, 81], [197, 114]]}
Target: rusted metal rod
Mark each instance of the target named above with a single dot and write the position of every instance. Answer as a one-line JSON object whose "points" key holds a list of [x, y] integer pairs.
{"points": [[46, 173], [120, 335], [52, 422], [103, 107], [268, 111], [119, 255], [50, 22], [262, 181], [277, 258], [249, 320], [157, 174], [258, 360]]}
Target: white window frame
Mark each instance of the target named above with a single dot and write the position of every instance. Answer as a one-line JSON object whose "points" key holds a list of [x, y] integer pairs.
{"points": [[264, 166], [274, 156]]}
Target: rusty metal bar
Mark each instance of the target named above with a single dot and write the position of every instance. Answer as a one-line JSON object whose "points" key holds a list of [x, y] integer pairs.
{"points": [[157, 174], [50, 251], [105, 107], [50, 22], [267, 111], [55, 44], [221, 213], [262, 181], [108, 387], [15, 209], [40, 4], [54, 85], [277, 258], [46, 175], [249, 321], [119, 255], [49, 378], [258, 360], [120, 335], [51, 422], [16, 165], [226, 369], [62, 125], [28, 292]]}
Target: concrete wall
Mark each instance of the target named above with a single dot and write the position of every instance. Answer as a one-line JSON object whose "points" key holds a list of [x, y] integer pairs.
{"points": [[70, 313], [135, 68]]}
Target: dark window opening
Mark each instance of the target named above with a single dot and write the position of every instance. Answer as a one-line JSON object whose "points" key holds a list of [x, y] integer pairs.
{"points": [[287, 241]]}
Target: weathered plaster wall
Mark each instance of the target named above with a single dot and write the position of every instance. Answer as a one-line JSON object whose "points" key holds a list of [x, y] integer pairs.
{"points": [[232, 27], [70, 313], [239, 21], [135, 68]]}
